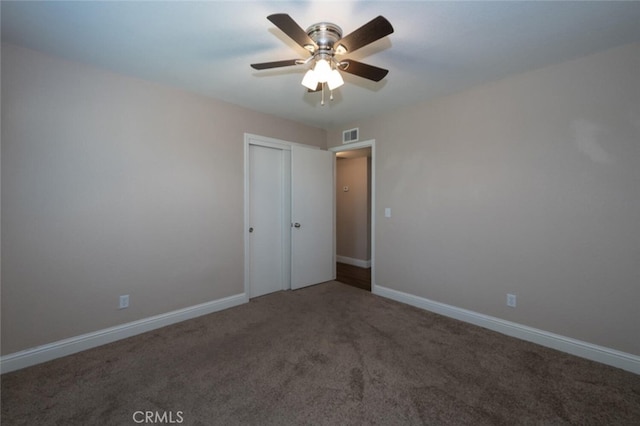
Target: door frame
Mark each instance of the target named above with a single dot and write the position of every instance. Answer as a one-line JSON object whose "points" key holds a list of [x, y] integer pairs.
{"points": [[251, 139], [371, 143]]}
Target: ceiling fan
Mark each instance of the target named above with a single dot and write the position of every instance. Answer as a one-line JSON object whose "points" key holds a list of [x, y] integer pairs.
{"points": [[324, 41]]}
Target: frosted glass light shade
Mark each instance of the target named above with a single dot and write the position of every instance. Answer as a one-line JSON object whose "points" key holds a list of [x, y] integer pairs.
{"points": [[310, 80], [335, 80], [322, 70]]}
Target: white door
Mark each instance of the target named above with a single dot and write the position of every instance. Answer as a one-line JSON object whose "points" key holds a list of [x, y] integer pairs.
{"points": [[312, 217], [266, 220]]}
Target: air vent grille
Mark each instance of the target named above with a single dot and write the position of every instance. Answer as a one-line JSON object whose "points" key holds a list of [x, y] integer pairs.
{"points": [[351, 135]]}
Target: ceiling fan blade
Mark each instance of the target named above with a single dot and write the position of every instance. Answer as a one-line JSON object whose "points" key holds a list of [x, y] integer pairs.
{"points": [[363, 70], [293, 30], [368, 33], [275, 64]]}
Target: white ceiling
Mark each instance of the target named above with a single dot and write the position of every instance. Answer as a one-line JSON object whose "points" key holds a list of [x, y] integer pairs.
{"points": [[438, 48]]}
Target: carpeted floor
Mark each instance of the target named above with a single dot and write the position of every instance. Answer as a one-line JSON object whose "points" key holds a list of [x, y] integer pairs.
{"points": [[328, 354]]}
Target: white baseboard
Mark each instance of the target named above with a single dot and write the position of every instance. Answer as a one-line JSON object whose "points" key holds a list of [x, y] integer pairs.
{"points": [[623, 360], [83, 342], [355, 262]]}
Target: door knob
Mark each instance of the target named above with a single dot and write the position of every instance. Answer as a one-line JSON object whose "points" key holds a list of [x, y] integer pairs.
{"points": [[251, 229], [297, 225]]}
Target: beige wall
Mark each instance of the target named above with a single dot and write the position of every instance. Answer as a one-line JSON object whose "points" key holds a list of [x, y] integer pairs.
{"points": [[352, 213], [113, 185], [530, 185]]}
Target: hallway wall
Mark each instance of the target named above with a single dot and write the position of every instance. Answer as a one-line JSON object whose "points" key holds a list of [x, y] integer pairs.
{"points": [[352, 212]]}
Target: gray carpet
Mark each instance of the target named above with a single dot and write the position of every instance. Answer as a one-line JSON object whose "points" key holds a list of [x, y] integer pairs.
{"points": [[329, 354]]}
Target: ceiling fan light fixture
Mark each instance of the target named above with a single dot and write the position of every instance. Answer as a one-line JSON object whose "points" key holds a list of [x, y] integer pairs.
{"points": [[323, 41], [322, 70], [335, 80], [310, 80]]}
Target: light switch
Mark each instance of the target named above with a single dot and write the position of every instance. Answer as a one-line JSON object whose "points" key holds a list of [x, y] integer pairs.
{"points": [[387, 212]]}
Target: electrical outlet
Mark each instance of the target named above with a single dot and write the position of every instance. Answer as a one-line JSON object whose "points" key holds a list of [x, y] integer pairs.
{"points": [[511, 300], [124, 301]]}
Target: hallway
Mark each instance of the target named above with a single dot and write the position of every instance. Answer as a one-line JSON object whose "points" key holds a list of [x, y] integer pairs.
{"points": [[354, 276]]}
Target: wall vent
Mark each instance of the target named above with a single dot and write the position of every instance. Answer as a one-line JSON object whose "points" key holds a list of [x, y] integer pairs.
{"points": [[350, 135]]}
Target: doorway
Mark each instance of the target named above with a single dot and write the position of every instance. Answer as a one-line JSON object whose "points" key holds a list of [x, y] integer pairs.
{"points": [[355, 216]]}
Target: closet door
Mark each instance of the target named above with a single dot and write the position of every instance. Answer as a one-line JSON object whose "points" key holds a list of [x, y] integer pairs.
{"points": [[267, 176], [312, 217]]}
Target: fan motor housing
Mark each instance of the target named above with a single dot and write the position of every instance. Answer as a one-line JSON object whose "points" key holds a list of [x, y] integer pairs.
{"points": [[325, 34]]}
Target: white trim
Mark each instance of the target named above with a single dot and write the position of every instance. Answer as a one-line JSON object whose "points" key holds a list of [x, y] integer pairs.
{"points": [[286, 221], [576, 347], [359, 145], [252, 139], [352, 261], [334, 212], [48, 352]]}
